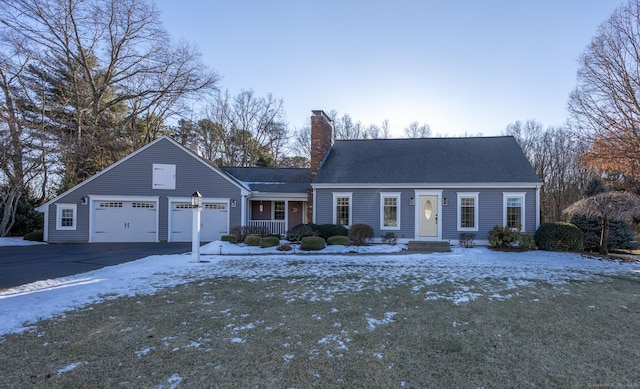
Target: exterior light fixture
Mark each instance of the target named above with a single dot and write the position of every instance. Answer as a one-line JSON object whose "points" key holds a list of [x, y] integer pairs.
{"points": [[444, 201], [411, 201]]}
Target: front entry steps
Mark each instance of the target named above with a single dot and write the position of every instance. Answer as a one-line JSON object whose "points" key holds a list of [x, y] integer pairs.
{"points": [[429, 247]]}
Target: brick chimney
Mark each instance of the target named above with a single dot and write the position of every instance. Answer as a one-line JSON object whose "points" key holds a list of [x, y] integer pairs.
{"points": [[321, 140]]}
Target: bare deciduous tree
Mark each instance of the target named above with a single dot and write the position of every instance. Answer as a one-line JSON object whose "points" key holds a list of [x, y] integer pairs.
{"points": [[416, 130], [108, 63], [555, 156], [604, 107]]}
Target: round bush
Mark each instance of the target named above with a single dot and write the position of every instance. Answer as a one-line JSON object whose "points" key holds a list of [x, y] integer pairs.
{"points": [[252, 240], [339, 240], [269, 241], [229, 238], [559, 237], [360, 234], [312, 243], [328, 230]]}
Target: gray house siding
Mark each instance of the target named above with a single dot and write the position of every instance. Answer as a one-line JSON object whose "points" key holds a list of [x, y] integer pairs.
{"points": [[366, 209], [490, 211], [134, 177]]}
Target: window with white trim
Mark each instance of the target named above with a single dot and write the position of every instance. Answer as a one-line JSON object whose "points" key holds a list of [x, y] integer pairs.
{"points": [[513, 210], [278, 210], [467, 211], [66, 216], [389, 211], [342, 209]]}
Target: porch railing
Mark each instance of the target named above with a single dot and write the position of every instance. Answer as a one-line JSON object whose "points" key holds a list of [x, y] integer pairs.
{"points": [[273, 226]]}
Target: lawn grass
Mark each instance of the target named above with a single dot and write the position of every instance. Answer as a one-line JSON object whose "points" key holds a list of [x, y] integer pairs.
{"points": [[300, 332]]}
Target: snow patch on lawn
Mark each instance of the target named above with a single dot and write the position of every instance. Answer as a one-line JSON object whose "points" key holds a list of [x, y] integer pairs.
{"points": [[70, 367], [459, 276]]}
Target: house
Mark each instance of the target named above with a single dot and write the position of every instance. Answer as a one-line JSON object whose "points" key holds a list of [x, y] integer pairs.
{"points": [[430, 189]]}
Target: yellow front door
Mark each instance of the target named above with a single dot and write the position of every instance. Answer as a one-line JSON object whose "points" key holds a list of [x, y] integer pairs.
{"points": [[428, 214]]}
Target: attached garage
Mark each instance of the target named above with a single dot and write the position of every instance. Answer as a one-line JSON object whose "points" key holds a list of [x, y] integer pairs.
{"points": [[121, 220], [214, 220]]}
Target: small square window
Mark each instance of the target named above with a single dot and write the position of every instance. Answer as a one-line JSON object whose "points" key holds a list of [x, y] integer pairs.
{"points": [[66, 216]]}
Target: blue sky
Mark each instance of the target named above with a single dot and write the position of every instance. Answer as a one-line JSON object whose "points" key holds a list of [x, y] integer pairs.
{"points": [[460, 66]]}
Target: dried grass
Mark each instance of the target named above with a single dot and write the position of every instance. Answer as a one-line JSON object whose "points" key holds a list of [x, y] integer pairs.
{"points": [[236, 333]]}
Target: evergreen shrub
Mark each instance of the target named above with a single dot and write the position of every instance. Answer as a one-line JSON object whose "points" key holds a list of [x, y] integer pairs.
{"points": [[559, 237], [269, 241], [621, 235], [312, 243], [503, 237], [229, 238], [326, 231], [252, 240], [338, 240], [35, 236]]}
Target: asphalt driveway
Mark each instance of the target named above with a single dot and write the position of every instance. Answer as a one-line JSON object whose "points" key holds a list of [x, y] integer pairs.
{"points": [[24, 264]]}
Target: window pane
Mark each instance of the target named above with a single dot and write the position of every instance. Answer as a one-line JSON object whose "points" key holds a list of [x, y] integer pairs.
{"points": [[67, 218], [278, 210], [514, 212], [390, 212], [342, 211], [467, 212]]}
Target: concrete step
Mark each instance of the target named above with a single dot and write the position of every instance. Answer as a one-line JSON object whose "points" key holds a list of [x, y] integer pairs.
{"points": [[429, 247]]}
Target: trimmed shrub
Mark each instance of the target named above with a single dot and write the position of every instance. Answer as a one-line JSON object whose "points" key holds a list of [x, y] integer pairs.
{"points": [[389, 238], [326, 231], [252, 240], [559, 237], [621, 235], [503, 237], [527, 242], [338, 240], [467, 239], [298, 232], [360, 234], [229, 238], [35, 236], [312, 243], [284, 247], [269, 241]]}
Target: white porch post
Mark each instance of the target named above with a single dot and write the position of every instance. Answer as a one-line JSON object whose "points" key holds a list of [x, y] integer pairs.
{"points": [[196, 203]]}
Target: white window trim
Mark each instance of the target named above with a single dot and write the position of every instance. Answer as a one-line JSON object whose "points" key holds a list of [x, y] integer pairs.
{"points": [[336, 195], [386, 195], [505, 196], [59, 209], [475, 196]]}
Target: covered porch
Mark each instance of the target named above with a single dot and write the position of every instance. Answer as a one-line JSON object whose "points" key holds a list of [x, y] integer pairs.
{"points": [[276, 215]]}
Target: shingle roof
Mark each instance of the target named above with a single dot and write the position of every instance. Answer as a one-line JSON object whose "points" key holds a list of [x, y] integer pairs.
{"points": [[427, 160], [271, 180]]}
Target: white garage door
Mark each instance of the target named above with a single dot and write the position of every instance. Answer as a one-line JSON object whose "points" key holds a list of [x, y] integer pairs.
{"points": [[213, 222], [125, 221]]}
